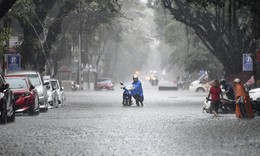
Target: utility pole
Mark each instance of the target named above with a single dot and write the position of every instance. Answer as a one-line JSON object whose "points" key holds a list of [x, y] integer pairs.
{"points": [[7, 25], [79, 54]]}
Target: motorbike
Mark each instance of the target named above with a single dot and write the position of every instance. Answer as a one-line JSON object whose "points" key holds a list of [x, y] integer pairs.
{"points": [[127, 97], [226, 106], [74, 86]]}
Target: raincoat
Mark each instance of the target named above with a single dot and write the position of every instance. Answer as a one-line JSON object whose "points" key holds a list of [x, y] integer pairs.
{"points": [[229, 91], [241, 92], [138, 90]]}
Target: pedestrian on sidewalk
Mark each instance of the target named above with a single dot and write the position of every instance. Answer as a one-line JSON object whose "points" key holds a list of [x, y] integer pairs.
{"points": [[216, 95], [243, 104]]}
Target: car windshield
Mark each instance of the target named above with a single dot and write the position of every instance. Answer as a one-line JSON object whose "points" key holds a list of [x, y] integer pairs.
{"points": [[17, 83], [104, 81], [54, 84], [34, 79], [47, 85]]}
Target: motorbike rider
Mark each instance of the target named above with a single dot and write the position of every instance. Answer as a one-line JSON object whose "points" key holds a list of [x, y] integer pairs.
{"points": [[228, 90], [137, 92]]}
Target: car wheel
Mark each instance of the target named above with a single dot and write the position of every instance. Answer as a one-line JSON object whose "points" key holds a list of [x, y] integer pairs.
{"points": [[12, 117], [63, 101], [46, 105], [56, 101], [45, 109], [128, 102], [34, 109], [3, 117]]}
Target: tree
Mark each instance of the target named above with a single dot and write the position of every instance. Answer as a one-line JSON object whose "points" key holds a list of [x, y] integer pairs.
{"points": [[41, 27], [253, 5], [213, 29], [185, 53], [31, 16], [5, 6]]}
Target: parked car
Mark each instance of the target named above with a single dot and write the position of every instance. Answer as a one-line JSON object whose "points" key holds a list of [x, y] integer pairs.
{"points": [[52, 94], [60, 91], [104, 83], [254, 94], [37, 82], [25, 95], [255, 99], [7, 108], [200, 85]]}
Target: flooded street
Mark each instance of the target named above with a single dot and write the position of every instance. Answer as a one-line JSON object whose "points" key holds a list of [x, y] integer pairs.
{"points": [[96, 123]]}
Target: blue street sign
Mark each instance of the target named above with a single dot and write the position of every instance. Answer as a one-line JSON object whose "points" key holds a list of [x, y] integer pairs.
{"points": [[13, 62], [247, 62]]}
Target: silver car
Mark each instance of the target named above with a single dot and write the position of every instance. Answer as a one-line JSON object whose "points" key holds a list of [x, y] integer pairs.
{"points": [[60, 91], [37, 82], [52, 94]]}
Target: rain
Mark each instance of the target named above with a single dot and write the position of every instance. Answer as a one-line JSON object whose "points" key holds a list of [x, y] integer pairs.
{"points": [[128, 77]]}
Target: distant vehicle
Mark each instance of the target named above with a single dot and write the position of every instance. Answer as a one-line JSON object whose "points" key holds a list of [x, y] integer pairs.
{"points": [[74, 86], [104, 83], [154, 80], [25, 95], [37, 82], [200, 85], [183, 82], [60, 91], [52, 94], [7, 106]]}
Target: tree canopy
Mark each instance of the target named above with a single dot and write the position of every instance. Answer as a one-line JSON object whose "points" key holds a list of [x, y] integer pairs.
{"points": [[226, 30]]}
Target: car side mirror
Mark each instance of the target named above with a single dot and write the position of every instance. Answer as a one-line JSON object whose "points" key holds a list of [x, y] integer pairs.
{"points": [[45, 83], [32, 87], [61, 88], [5, 85]]}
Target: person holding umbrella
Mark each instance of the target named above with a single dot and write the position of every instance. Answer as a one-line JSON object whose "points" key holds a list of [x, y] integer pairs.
{"points": [[216, 95]]}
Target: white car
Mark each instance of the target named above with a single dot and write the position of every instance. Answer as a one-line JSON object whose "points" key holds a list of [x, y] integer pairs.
{"points": [[52, 94], [254, 94], [60, 91], [200, 85]]}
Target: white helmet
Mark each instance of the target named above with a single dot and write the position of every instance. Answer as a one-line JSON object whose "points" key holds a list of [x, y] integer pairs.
{"points": [[135, 77], [237, 80]]}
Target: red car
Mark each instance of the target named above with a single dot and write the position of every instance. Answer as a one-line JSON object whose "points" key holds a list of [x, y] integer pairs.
{"points": [[25, 94], [104, 83]]}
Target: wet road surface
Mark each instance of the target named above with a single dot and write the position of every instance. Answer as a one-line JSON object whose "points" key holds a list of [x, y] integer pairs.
{"points": [[95, 123]]}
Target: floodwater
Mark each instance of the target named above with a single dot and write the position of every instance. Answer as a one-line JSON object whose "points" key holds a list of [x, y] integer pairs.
{"points": [[96, 123]]}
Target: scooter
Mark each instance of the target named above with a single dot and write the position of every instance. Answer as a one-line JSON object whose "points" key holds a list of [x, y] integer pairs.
{"points": [[127, 97], [74, 86], [226, 106]]}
